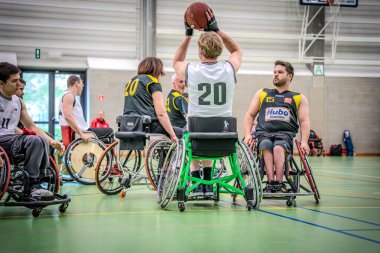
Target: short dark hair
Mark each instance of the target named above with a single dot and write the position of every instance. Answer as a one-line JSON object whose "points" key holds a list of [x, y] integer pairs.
{"points": [[288, 66], [72, 80], [6, 70], [151, 66], [22, 81]]}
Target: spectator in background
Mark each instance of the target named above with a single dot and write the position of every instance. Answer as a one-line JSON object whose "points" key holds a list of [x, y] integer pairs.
{"points": [[99, 122], [20, 90], [20, 93]]}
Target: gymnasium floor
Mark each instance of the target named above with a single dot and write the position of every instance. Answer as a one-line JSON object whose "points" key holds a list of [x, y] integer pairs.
{"points": [[346, 220]]}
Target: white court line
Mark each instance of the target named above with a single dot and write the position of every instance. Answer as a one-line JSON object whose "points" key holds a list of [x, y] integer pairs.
{"points": [[344, 173]]}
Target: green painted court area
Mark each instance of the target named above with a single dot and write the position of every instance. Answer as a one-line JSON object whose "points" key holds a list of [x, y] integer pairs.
{"points": [[346, 220]]}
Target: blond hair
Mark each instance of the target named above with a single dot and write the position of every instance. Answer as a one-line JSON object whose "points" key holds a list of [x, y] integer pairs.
{"points": [[210, 44]]}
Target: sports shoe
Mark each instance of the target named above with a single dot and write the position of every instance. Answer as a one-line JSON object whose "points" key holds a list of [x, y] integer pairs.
{"points": [[198, 191], [208, 190], [39, 194], [280, 187], [268, 187]]}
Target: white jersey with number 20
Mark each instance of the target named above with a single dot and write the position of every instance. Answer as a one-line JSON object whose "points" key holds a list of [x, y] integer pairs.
{"points": [[211, 89]]}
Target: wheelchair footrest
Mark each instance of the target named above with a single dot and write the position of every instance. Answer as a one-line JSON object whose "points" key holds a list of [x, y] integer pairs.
{"points": [[248, 193], [181, 194], [35, 204]]}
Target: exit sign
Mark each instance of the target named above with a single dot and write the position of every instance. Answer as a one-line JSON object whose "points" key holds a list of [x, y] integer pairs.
{"points": [[37, 53]]}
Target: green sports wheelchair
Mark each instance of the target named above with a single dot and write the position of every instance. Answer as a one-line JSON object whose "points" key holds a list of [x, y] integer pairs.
{"points": [[214, 139]]}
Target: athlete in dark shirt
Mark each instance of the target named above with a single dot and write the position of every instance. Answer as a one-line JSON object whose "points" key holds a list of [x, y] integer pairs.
{"points": [[176, 103], [143, 96], [281, 112]]}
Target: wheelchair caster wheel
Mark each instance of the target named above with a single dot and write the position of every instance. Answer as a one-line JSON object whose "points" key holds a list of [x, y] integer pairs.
{"points": [[181, 206], [36, 212], [122, 194], [291, 203], [62, 208], [250, 205]]}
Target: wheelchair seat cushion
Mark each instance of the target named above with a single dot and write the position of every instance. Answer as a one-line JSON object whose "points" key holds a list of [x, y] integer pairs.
{"points": [[266, 140], [104, 134]]}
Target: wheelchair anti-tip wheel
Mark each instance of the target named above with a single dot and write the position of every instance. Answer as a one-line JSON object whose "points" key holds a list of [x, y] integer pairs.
{"points": [[170, 174], [154, 160], [81, 158], [111, 170]]}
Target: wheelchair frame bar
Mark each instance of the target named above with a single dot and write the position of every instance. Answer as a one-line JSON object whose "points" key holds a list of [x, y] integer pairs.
{"points": [[223, 182]]}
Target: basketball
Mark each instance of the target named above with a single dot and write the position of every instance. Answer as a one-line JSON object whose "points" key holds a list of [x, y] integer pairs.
{"points": [[196, 15]]}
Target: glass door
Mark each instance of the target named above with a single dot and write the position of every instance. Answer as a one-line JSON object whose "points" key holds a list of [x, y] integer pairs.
{"points": [[37, 97], [43, 91]]}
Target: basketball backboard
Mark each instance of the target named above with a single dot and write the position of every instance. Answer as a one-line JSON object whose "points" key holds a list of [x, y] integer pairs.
{"points": [[342, 3]]}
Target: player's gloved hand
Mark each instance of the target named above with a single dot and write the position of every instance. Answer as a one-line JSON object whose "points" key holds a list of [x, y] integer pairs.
{"points": [[212, 25], [188, 29]]}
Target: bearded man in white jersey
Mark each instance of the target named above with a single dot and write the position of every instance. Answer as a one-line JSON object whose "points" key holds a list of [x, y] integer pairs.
{"points": [[34, 147], [210, 83]]}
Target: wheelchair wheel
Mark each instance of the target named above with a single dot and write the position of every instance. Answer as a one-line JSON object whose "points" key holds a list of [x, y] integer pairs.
{"points": [[249, 174], [111, 170], [309, 174], [51, 180], [81, 158], [171, 173], [154, 160], [5, 173], [220, 169]]}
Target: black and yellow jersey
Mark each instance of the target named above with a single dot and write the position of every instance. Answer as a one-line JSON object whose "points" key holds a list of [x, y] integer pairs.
{"points": [[176, 106], [138, 98], [278, 111]]}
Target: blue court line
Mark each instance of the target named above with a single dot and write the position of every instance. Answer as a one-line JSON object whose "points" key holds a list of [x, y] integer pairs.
{"points": [[314, 224], [320, 226], [361, 229], [340, 216]]}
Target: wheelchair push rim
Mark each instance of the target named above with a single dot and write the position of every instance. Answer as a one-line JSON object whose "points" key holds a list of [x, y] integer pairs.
{"points": [[5, 173], [308, 172], [110, 169], [81, 158], [171, 174], [152, 166]]}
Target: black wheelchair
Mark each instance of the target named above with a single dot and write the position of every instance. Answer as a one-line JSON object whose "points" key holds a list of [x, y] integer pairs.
{"points": [[300, 180], [81, 157], [14, 183], [119, 166]]}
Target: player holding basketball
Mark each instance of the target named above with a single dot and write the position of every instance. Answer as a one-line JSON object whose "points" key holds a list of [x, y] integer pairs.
{"points": [[210, 83]]}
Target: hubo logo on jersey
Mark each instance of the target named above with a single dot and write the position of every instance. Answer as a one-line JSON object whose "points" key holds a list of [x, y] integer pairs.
{"points": [[277, 113]]}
